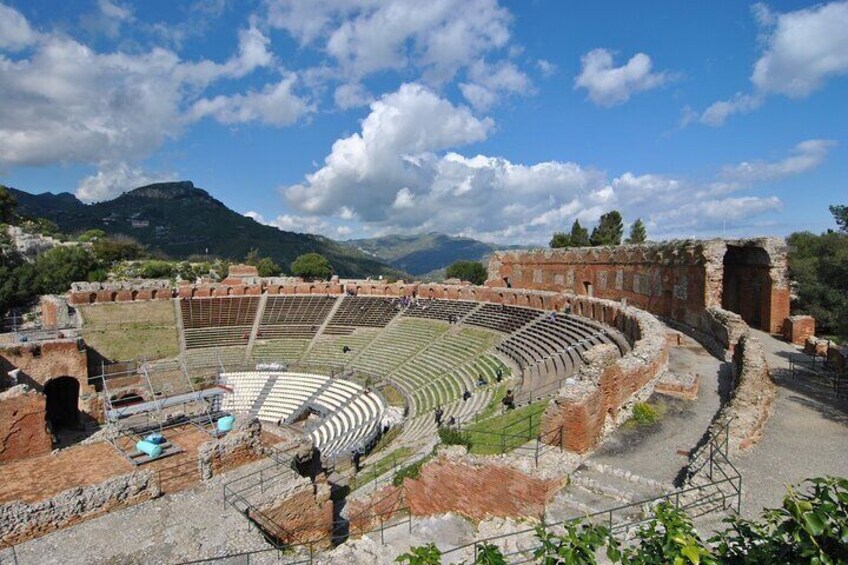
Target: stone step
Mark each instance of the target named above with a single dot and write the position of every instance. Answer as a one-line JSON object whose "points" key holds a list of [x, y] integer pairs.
{"points": [[615, 486]]}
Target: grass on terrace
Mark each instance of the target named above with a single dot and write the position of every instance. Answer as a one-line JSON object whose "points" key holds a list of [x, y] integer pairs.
{"points": [[121, 332], [507, 430]]}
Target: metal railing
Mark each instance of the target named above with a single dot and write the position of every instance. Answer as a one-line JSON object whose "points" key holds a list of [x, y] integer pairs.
{"points": [[724, 490], [802, 364]]}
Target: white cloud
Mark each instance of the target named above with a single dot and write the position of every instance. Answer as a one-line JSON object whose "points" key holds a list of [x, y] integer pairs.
{"points": [[718, 112], [276, 105], [368, 36], [111, 179], [546, 67], [64, 102], [294, 223], [803, 49], [399, 174], [351, 95], [15, 31], [608, 85], [488, 82], [365, 171], [805, 156]]}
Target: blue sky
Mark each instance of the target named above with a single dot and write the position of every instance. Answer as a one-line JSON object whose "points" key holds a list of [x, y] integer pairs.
{"points": [[499, 120]]}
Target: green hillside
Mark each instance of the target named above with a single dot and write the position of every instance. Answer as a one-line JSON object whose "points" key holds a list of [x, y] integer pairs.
{"points": [[424, 254], [180, 220]]}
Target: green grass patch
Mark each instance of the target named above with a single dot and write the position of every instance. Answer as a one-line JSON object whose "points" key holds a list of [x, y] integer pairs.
{"points": [[122, 332], [453, 436], [506, 431], [380, 467], [411, 471], [648, 413]]}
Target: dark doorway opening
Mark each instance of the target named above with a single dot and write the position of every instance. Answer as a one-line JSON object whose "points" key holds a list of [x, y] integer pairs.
{"points": [[746, 287], [62, 396]]}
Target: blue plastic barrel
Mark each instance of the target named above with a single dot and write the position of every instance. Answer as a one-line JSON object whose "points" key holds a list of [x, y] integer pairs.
{"points": [[225, 424], [150, 449], [155, 439]]}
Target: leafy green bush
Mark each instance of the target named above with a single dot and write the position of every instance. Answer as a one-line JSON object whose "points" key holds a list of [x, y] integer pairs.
{"points": [[312, 266], [453, 436], [645, 414], [411, 471], [424, 555]]}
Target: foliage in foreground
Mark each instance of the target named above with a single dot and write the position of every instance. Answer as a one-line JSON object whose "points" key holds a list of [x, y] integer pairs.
{"points": [[810, 527]]}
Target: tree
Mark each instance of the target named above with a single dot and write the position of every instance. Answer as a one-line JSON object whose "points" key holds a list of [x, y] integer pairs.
{"points": [[560, 240], [840, 214], [471, 271], [7, 205], [57, 268], [108, 250], [268, 268], [609, 230], [579, 235], [637, 232], [91, 235], [252, 257], [312, 266]]}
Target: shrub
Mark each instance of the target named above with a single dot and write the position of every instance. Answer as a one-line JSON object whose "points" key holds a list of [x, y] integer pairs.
{"points": [[453, 436], [645, 414], [411, 471]]}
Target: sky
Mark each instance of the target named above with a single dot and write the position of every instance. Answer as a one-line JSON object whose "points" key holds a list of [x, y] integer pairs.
{"points": [[502, 121]]}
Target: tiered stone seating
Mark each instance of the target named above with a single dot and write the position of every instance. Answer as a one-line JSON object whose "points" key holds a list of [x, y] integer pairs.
{"points": [[294, 316], [503, 318], [351, 417], [438, 309], [396, 344], [439, 373], [220, 321], [272, 350], [328, 349], [365, 311], [210, 356]]}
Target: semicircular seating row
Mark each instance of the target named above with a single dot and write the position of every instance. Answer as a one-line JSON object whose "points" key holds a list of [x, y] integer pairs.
{"points": [[428, 359], [349, 416]]}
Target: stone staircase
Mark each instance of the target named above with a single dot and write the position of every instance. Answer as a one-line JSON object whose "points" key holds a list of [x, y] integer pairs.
{"points": [[595, 488]]}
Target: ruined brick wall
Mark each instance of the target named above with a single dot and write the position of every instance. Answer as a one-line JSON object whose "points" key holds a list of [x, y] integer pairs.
{"points": [[20, 521], [603, 392], [304, 514], [677, 280], [799, 328], [752, 397], [478, 488], [23, 424], [364, 512], [48, 360]]}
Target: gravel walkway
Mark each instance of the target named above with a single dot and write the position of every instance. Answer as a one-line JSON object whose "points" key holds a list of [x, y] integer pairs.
{"points": [[806, 436]]}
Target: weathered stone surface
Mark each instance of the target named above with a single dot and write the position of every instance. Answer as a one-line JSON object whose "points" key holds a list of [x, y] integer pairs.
{"points": [[752, 397], [19, 520], [23, 424], [242, 445], [478, 487], [797, 329]]}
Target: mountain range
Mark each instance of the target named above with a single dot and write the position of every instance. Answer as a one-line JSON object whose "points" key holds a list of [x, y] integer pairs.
{"points": [[180, 220], [424, 255]]}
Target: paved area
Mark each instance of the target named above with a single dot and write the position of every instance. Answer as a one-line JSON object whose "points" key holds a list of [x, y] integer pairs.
{"points": [[658, 451], [192, 524], [806, 436]]}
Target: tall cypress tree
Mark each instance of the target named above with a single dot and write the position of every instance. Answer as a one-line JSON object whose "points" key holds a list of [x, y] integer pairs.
{"points": [[637, 232], [609, 230], [579, 235]]}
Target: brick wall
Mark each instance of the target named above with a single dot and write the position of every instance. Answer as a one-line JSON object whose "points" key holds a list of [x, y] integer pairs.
{"points": [[478, 490], [305, 514], [798, 328], [23, 424]]}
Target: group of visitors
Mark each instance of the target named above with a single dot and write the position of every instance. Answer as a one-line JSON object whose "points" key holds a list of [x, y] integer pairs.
{"points": [[439, 415]]}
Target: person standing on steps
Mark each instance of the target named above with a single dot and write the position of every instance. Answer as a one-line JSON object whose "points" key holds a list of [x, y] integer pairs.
{"points": [[466, 395], [438, 416]]}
